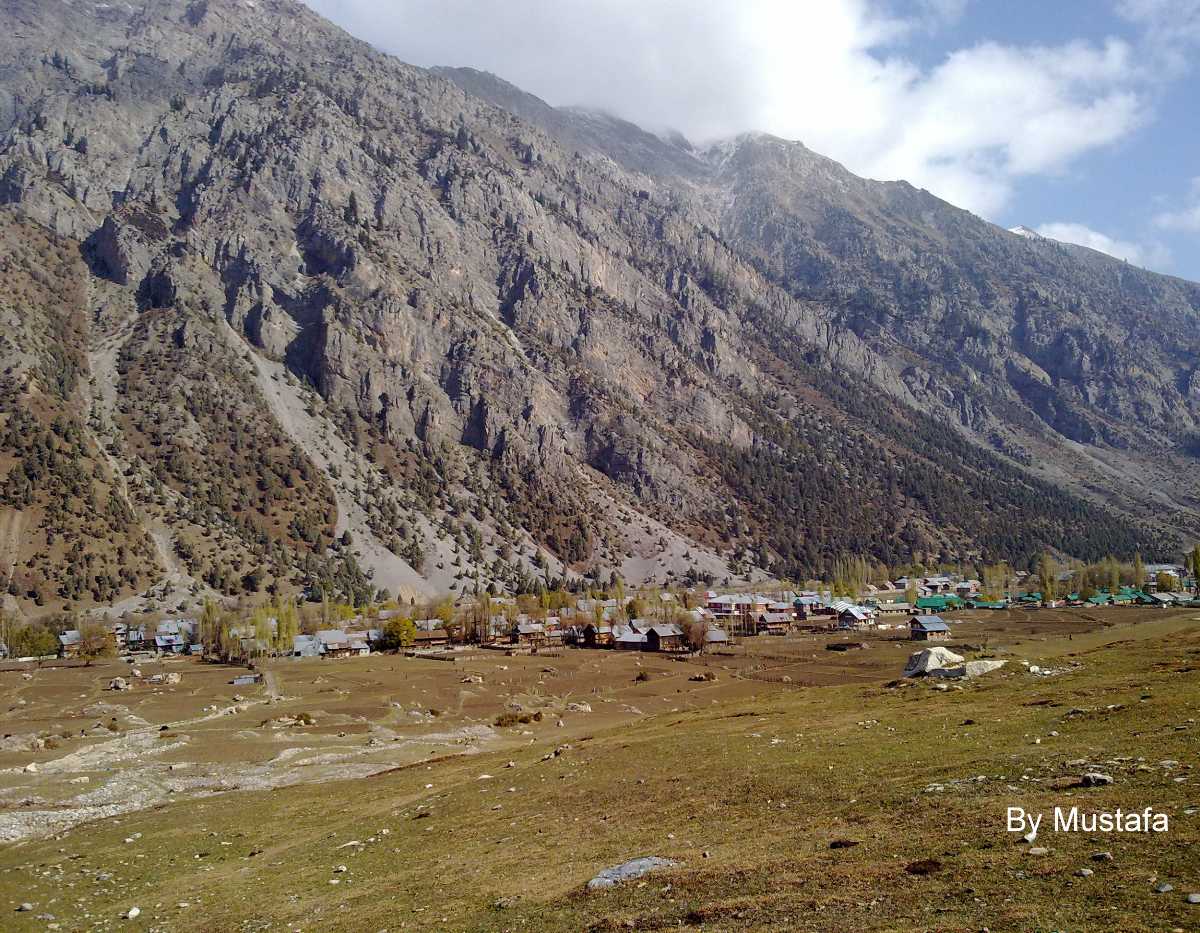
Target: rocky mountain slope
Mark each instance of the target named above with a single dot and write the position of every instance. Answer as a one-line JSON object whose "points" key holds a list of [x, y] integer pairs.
{"points": [[288, 313]]}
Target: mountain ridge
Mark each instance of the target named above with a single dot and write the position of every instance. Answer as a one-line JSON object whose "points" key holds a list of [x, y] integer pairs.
{"points": [[344, 325]]}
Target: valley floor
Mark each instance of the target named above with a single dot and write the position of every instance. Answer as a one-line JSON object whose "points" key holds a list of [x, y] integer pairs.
{"points": [[334, 797]]}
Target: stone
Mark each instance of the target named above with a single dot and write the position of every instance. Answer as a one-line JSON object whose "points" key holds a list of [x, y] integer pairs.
{"points": [[132, 913], [1164, 888], [24, 908], [1193, 898], [1085, 873], [1102, 856], [629, 871], [118, 683], [1096, 779], [1039, 850]]}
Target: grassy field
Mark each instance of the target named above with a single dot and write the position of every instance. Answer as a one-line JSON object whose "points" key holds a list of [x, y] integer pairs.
{"points": [[746, 784]]}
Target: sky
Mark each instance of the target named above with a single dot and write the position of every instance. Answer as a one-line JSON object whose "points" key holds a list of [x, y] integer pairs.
{"points": [[1076, 118]]}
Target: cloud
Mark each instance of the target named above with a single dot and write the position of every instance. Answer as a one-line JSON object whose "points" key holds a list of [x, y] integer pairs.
{"points": [[838, 75], [1153, 255], [1187, 218]]}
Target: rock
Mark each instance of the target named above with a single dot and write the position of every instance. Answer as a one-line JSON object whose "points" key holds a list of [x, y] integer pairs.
{"points": [[1164, 888], [1039, 850], [472, 679], [1102, 856], [925, 866], [579, 708], [31, 768], [628, 871], [132, 913], [1085, 873], [1193, 898], [843, 843], [1096, 779], [24, 908], [118, 683]]}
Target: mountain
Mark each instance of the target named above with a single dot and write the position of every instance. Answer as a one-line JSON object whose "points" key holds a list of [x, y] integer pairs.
{"points": [[283, 312]]}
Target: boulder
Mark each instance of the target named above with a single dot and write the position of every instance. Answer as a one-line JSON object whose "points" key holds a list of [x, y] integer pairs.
{"points": [[118, 683], [929, 660], [629, 871]]}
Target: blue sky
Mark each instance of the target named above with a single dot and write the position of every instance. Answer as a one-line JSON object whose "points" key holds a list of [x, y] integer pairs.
{"points": [[1077, 119]]}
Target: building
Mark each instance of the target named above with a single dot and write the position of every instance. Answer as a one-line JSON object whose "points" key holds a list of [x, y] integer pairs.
{"points": [[630, 640], [69, 643], [307, 646], [438, 638], [598, 636], [774, 623], [665, 638], [928, 628], [335, 644], [850, 616], [529, 634]]}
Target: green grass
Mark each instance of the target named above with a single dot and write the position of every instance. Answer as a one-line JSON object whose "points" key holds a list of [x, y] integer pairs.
{"points": [[762, 787]]}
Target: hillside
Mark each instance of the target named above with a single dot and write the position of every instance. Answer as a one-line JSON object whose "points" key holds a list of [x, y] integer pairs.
{"points": [[337, 323]]}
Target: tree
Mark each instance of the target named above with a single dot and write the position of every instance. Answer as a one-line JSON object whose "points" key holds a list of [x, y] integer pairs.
{"points": [[1047, 576], [1166, 582], [31, 641], [910, 593], [287, 626], [695, 633], [210, 626], [94, 641], [1139, 571], [397, 633], [1196, 568]]}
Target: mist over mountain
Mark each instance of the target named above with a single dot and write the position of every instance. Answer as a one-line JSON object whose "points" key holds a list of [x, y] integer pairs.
{"points": [[280, 311]]}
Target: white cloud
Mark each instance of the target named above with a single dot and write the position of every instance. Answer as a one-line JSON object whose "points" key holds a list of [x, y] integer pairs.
{"points": [[832, 74], [1187, 217], [1152, 255]]}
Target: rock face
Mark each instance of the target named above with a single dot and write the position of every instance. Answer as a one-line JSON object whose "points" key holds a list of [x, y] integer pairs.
{"points": [[318, 291]]}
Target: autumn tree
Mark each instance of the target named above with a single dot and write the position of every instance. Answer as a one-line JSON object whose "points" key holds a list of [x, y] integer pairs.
{"points": [[397, 633], [1047, 576], [94, 641], [287, 626]]}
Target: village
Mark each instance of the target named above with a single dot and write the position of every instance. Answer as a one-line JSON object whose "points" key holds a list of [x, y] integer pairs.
{"points": [[650, 620]]}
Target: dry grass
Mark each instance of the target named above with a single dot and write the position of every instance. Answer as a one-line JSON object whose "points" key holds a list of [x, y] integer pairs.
{"points": [[761, 784]]}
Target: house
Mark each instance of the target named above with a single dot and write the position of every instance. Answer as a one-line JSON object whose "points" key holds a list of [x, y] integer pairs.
{"points": [[170, 643], [335, 644], [774, 623], [136, 639], [850, 616], [716, 636], [307, 646], [928, 628], [69, 643], [530, 634], [630, 640], [438, 638], [665, 638], [597, 636], [893, 609]]}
